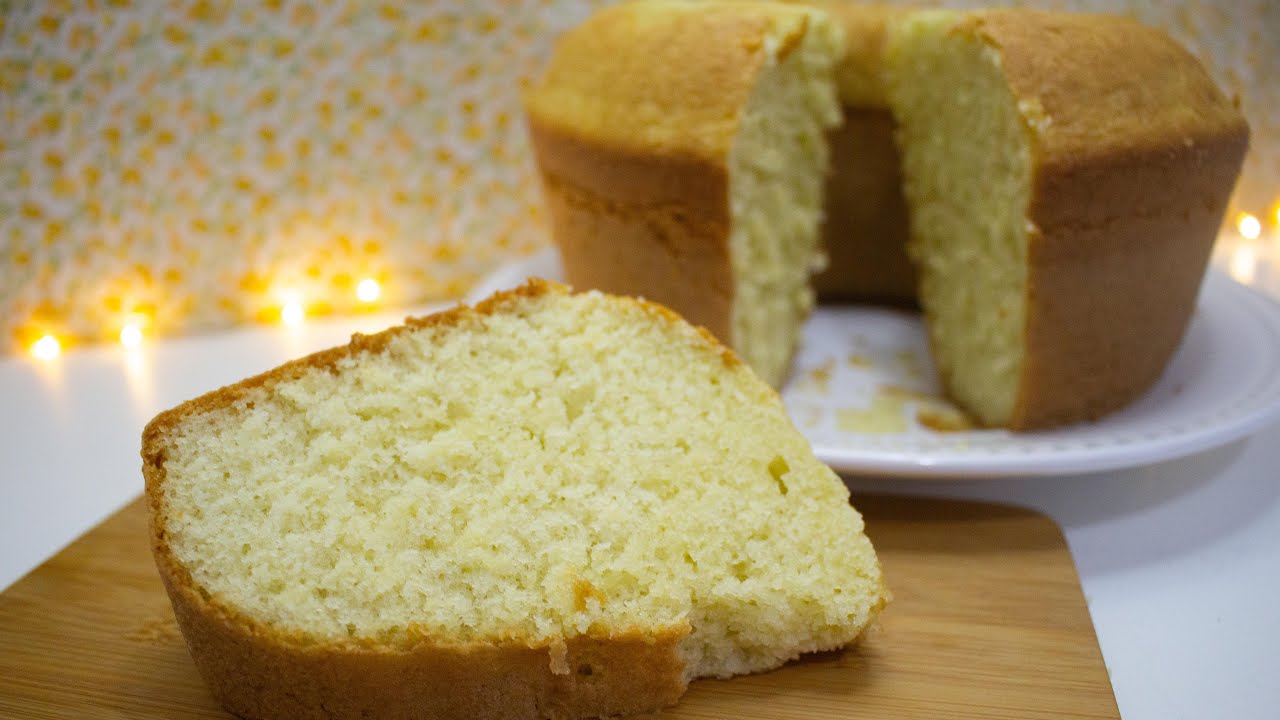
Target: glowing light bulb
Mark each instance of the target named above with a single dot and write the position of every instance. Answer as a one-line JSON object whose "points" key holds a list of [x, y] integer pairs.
{"points": [[368, 290], [1244, 264], [292, 314], [1249, 226], [46, 348], [131, 335]]}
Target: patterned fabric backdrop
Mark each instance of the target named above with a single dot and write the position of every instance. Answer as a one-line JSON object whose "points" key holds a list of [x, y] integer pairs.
{"points": [[194, 164]]}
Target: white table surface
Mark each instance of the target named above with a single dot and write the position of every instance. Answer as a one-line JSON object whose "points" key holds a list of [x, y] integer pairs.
{"points": [[1180, 561]]}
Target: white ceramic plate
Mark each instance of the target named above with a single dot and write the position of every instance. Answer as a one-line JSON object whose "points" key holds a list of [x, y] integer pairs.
{"points": [[863, 382]]}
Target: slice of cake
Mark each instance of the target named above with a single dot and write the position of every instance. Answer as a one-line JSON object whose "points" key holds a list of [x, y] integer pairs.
{"points": [[548, 506], [1066, 176], [683, 155]]}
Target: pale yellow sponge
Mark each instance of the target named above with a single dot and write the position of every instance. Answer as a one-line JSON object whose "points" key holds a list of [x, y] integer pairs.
{"points": [[551, 505]]}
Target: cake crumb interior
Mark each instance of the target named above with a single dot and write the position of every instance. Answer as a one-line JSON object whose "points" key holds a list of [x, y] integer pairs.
{"points": [[777, 172], [966, 158]]}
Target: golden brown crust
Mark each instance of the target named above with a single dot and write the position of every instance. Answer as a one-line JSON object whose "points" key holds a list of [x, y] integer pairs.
{"points": [[257, 671], [663, 240], [1132, 172], [1109, 298], [660, 78], [1110, 85]]}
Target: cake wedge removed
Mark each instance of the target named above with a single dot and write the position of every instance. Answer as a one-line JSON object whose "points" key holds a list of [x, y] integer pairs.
{"points": [[551, 505]]}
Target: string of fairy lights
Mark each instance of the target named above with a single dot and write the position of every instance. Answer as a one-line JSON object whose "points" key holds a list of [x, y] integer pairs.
{"points": [[133, 331], [1242, 250]]}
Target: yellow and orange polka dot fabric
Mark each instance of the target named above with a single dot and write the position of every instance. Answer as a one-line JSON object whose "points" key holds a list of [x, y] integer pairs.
{"points": [[188, 164]]}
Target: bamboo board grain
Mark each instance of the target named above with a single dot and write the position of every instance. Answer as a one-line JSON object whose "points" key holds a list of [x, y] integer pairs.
{"points": [[988, 621]]}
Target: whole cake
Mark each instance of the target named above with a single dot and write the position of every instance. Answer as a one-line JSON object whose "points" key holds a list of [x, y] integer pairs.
{"points": [[1066, 176], [548, 506], [683, 154], [1047, 186]]}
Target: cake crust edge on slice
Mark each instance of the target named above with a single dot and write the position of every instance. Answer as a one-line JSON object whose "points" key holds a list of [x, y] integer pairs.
{"points": [[258, 671]]}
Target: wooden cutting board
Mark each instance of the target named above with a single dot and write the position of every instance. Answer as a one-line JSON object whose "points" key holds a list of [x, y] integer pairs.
{"points": [[988, 621]]}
